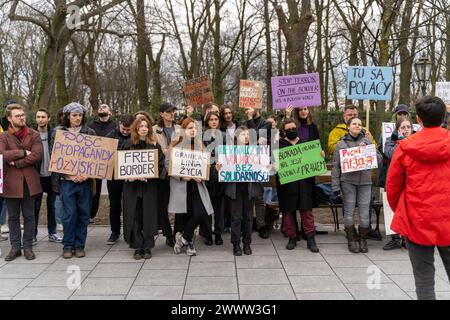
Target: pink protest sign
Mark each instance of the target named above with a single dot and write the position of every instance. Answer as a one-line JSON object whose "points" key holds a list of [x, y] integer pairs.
{"points": [[302, 90], [358, 158]]}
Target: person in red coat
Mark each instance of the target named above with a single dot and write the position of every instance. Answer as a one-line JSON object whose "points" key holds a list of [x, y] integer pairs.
{"points": [[418, 190]]}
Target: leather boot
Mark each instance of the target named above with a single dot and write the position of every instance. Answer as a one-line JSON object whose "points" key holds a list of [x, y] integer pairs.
{"points": [[291, 244], [351, 238], [363, 235], [311, 242]]}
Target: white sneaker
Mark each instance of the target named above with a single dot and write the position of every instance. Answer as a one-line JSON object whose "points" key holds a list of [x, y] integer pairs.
{"points": [[21, 226], [179, 243], [190, 251], [4, 228], [3, 238], [55, 238]]}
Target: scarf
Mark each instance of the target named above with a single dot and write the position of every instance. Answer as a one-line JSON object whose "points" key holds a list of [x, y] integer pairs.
{"points": [[19, 134]]}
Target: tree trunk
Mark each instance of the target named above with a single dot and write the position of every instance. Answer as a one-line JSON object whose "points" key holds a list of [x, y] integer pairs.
{"points": [[141, 69], [217, 84], [269, 70]]}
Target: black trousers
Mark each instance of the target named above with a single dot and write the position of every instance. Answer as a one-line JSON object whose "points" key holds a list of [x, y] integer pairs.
{"points": [[46, 185], [96, 198], [115, 191], [241, 217], [138, 240], [422, 260], [227, 212], [197, 215], [163, 215]]}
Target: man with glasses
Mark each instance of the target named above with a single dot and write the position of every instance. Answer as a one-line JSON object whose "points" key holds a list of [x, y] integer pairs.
{"points": [[21, 148]]}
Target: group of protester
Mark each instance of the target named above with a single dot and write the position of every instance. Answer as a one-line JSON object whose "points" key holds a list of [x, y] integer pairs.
{"points": [[217, 207]]}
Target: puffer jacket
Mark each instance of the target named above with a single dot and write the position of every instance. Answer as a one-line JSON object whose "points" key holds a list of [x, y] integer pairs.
{"points": [[357, 178], [418, 187]]}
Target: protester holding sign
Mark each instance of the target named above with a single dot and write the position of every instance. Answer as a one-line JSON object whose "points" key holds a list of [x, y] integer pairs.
{"points": [[21, 148], [403, 129], [140, 195], [243, 196], [355, 187], [418, 190], [165, 131], [75, 190], [115, 187], [213, 138], [297, 195], [188, 196]]}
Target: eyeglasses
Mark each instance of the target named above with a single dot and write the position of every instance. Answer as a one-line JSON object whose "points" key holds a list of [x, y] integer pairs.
{"points": [[20, 115]]}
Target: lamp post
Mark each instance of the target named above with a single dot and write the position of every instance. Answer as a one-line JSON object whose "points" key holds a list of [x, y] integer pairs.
{"points": [[423, 70]]}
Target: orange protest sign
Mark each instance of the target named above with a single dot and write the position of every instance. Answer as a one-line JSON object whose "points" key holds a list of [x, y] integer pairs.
{"points": [[198, 91], [250, 94], [83, 155]]}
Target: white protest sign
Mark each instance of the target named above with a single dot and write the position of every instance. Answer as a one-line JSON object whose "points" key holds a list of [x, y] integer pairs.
{"points": [[388, 215], [136, 164], [244, 163], [358, 158], [389, 127], [443, 91], [1, 173], [189, 164]]}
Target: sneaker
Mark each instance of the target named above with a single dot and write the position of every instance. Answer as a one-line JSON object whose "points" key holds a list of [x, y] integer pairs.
{"points": [[55, 238], [392, 245], [29, 254], [375, 235], [3, 237], [67, 253], [179, 244], [112, 239], [137, 254], [147, 254], [21, 226], [79, 253], [4, 228], [190, 251]]}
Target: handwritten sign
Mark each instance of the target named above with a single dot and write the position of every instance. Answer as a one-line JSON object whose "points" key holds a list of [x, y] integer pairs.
{"points": [[136, 164], [389, 128], [443, 91], [300, 162], [369, 83], [358, 159], [244, 163], [388, 215], [83, 155], [301, 90], [189, 164], [250, 94], [1, 173], [198, 91]]}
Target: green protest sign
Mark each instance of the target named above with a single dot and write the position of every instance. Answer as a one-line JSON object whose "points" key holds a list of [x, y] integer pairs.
{"points": [[300, 162]]}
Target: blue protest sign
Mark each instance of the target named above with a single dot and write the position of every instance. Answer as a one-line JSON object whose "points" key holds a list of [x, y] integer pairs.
{"points": [[369, 83]]}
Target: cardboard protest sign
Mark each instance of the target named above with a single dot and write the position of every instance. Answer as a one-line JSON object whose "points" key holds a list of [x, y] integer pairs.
{"points": [[301, 90], [443, 91], [83, 155], [388, 215], [198, 91], [1, 173], [250, 94], [358, 158], [300, 162], [136, 164], [189, 163], [389, 127], [244, 163], [369, 83]]}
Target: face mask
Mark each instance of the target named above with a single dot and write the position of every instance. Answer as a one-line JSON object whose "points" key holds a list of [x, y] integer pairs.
{"points": [[292, 134]]}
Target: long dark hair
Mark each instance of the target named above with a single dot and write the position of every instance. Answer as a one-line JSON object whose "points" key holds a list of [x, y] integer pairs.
{"points": [[309, 120], [65, 120]]}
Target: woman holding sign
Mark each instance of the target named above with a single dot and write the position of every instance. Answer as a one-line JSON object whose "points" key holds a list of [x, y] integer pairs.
{"points": [[140, 196], [188, 196], [355, 187], [297, 195]]}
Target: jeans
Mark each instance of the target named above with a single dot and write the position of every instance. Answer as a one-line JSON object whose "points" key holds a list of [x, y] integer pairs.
{"points": [[352, 195], [76, 199], [4, 211], [51, 196], [59, 210], [242, 217], [26, 205], [96, 198], [422, 260], [115, 191]]}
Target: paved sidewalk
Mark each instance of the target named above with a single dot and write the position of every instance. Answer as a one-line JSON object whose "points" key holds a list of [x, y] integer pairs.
{"points": [[271, 272]]}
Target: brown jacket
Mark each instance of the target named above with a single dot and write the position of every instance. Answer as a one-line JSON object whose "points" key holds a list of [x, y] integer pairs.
{"points": [[24, 168]]}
